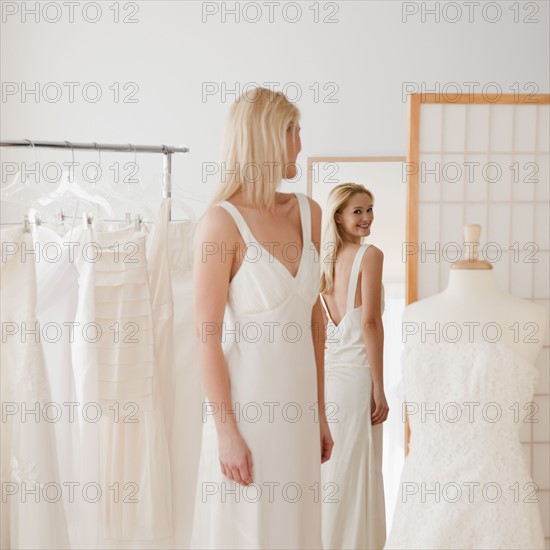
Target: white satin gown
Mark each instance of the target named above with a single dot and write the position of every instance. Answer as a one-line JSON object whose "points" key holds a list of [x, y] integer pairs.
{"points": [[268, 346], [353, 504]]}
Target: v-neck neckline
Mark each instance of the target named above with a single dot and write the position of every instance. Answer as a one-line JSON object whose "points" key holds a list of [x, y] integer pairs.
{"points": [[275, 260]]}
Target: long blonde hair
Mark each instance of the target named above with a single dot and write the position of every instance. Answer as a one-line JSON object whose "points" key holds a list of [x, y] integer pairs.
{"points": [[331, 239], [254, 149]]}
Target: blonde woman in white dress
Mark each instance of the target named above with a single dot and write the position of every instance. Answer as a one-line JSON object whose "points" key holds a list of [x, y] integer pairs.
{"points": [[256, 300], [353, 301]]}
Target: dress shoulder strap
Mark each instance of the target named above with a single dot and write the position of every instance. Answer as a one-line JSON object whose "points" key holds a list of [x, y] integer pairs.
{"points": [[305, 216], [324, 305], [352, 285], [239, 220]]}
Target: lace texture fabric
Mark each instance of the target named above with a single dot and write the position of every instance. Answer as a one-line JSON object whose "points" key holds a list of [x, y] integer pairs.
{"points": [[465, 482]]}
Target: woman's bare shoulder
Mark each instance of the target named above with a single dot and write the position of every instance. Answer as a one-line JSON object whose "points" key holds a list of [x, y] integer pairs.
{"points": [[374, 251], [373, 256], [314, 205], [217, 222]]}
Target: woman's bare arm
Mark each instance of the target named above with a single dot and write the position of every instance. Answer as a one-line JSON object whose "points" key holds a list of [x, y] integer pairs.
{"points": [[318, 325], [373, 329], [212, 269], [214, 257], [317, 318], [371, 316]]}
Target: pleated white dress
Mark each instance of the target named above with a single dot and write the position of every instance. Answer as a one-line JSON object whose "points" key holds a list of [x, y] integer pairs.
{"points": [[128, 310], [272, 370], [354, 505]]}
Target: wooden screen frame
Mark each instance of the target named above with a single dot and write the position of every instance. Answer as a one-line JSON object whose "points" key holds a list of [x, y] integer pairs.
{"points": [[413, 154]]}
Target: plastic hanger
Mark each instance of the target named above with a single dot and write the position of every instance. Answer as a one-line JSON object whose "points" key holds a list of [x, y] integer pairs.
{"points": [[21, 192], [68, 190], [134, 199]]}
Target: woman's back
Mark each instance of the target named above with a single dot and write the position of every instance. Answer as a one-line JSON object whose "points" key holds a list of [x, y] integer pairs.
{"points": [[345, 342], [357, 520]]}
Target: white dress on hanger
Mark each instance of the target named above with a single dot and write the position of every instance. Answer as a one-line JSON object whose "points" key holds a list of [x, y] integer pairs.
{"points": [[162, 302], [169, 255], [187, 391], [84, 361], [56, 302], [32, 514], [133, 449], [273, 379], [354, 506], [465, 483]]}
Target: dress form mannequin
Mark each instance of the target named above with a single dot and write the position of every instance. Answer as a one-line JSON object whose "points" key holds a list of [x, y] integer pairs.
{"points": [[454, 374], [473, 308]]}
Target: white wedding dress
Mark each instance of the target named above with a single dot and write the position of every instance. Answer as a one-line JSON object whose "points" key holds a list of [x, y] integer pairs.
{"points": [[273, 379], [32, 511], [465, 483], [56, 302], [353, 487], [187, 392], [122, 301]]}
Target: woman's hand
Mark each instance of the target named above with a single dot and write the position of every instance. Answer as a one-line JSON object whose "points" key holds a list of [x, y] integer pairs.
{"points": [[235, 457], [326, 441], [378, 406]]}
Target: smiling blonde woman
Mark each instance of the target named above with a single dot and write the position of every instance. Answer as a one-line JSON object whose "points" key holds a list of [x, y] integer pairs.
{"points": [[353, 300]]}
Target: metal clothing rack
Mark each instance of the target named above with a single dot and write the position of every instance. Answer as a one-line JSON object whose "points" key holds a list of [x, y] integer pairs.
{"points": [[166, 150]]}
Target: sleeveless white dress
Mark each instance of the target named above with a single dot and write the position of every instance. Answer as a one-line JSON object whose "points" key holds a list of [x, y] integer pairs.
{"points": [[187, 392], [268, 346], [465, 483], [354, 507]]}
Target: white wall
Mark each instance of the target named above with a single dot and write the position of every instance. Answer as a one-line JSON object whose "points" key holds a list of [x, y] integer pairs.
{"points": [[170, 53]]}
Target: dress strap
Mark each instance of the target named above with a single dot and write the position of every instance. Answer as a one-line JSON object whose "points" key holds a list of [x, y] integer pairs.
{"points": [[248, 236], [240, 222], [352, 285], [324, 306], [305, 217]]}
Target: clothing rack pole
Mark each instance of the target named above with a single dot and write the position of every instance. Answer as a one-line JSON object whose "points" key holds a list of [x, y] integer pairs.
{"points": [[121, 148], [166, 150], [167, 179]]}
